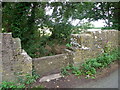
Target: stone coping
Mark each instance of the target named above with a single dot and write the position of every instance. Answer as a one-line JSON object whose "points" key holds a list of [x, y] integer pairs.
{"points": [[46, 57]]}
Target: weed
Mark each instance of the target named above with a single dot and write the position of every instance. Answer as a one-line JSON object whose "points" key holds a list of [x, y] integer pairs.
{"points": [[92, 77], [90, 66], [64, 71], [68, 45], [6, 85], [70, 69], [77, 72], [23, 81]]}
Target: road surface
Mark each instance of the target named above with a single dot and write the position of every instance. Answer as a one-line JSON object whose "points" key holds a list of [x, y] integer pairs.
{"points": [[110, 81]]}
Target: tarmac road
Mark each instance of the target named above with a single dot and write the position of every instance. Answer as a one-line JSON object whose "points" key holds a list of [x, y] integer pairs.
{"points": [[110, 81]]}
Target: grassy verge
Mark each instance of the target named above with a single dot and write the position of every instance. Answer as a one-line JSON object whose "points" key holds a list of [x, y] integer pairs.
{"points": [[90, 66]]}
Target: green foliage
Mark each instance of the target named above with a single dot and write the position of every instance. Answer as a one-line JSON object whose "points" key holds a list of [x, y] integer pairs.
{"points": [[70, 69], [43, 47], [102, 10], [68, 45], [77, 72], [86, 25], [21, 82], [107, 28], [82, 28], [24, 18], [90, 66], [64, 71], [7, 85], [61, 31], [28, 79]]}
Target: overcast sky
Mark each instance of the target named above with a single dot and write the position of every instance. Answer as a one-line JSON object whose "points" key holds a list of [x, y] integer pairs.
{"points": [[99, 23]]}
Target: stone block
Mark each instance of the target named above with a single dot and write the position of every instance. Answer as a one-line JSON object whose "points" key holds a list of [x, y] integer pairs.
{"points": [[50, 64], [17, 46], [50, 77], [13, 59], [86, 40], [26, 63], [83, 55]]}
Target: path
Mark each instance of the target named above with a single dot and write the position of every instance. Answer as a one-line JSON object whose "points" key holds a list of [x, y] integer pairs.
{"points": [[107, 82]]}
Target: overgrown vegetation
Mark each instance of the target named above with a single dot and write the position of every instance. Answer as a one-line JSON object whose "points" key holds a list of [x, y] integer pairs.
{"points": [[24, 19], [21, 82], [90, 66]]}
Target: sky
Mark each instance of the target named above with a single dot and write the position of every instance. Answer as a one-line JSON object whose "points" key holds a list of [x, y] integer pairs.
{"points": [[99, 23]]}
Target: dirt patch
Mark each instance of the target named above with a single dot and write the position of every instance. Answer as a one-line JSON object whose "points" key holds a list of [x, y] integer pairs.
{"points": [[71, 80]]}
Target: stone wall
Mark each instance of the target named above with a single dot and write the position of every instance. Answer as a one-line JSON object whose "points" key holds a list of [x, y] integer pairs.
{"points": [[92, 43], [51, 64], [1, 57], [13, 59], [84, 46]]}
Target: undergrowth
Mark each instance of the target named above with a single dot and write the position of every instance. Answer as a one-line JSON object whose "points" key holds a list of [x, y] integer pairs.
{"points": [[90, 66], [21, 82], [44, 46]]}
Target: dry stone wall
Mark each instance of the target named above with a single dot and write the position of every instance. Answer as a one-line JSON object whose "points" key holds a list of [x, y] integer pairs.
{"points": [[84, 46], [92, 43], [1, 57], [13, 60], [51, 64], [87, 45]]}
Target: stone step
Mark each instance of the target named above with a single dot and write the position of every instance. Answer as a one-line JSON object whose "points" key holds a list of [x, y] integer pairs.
{"points": [[50, 77]]}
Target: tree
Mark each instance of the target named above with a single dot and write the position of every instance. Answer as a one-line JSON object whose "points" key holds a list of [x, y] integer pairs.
{"points": [[24, 18], [107, 11]]}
